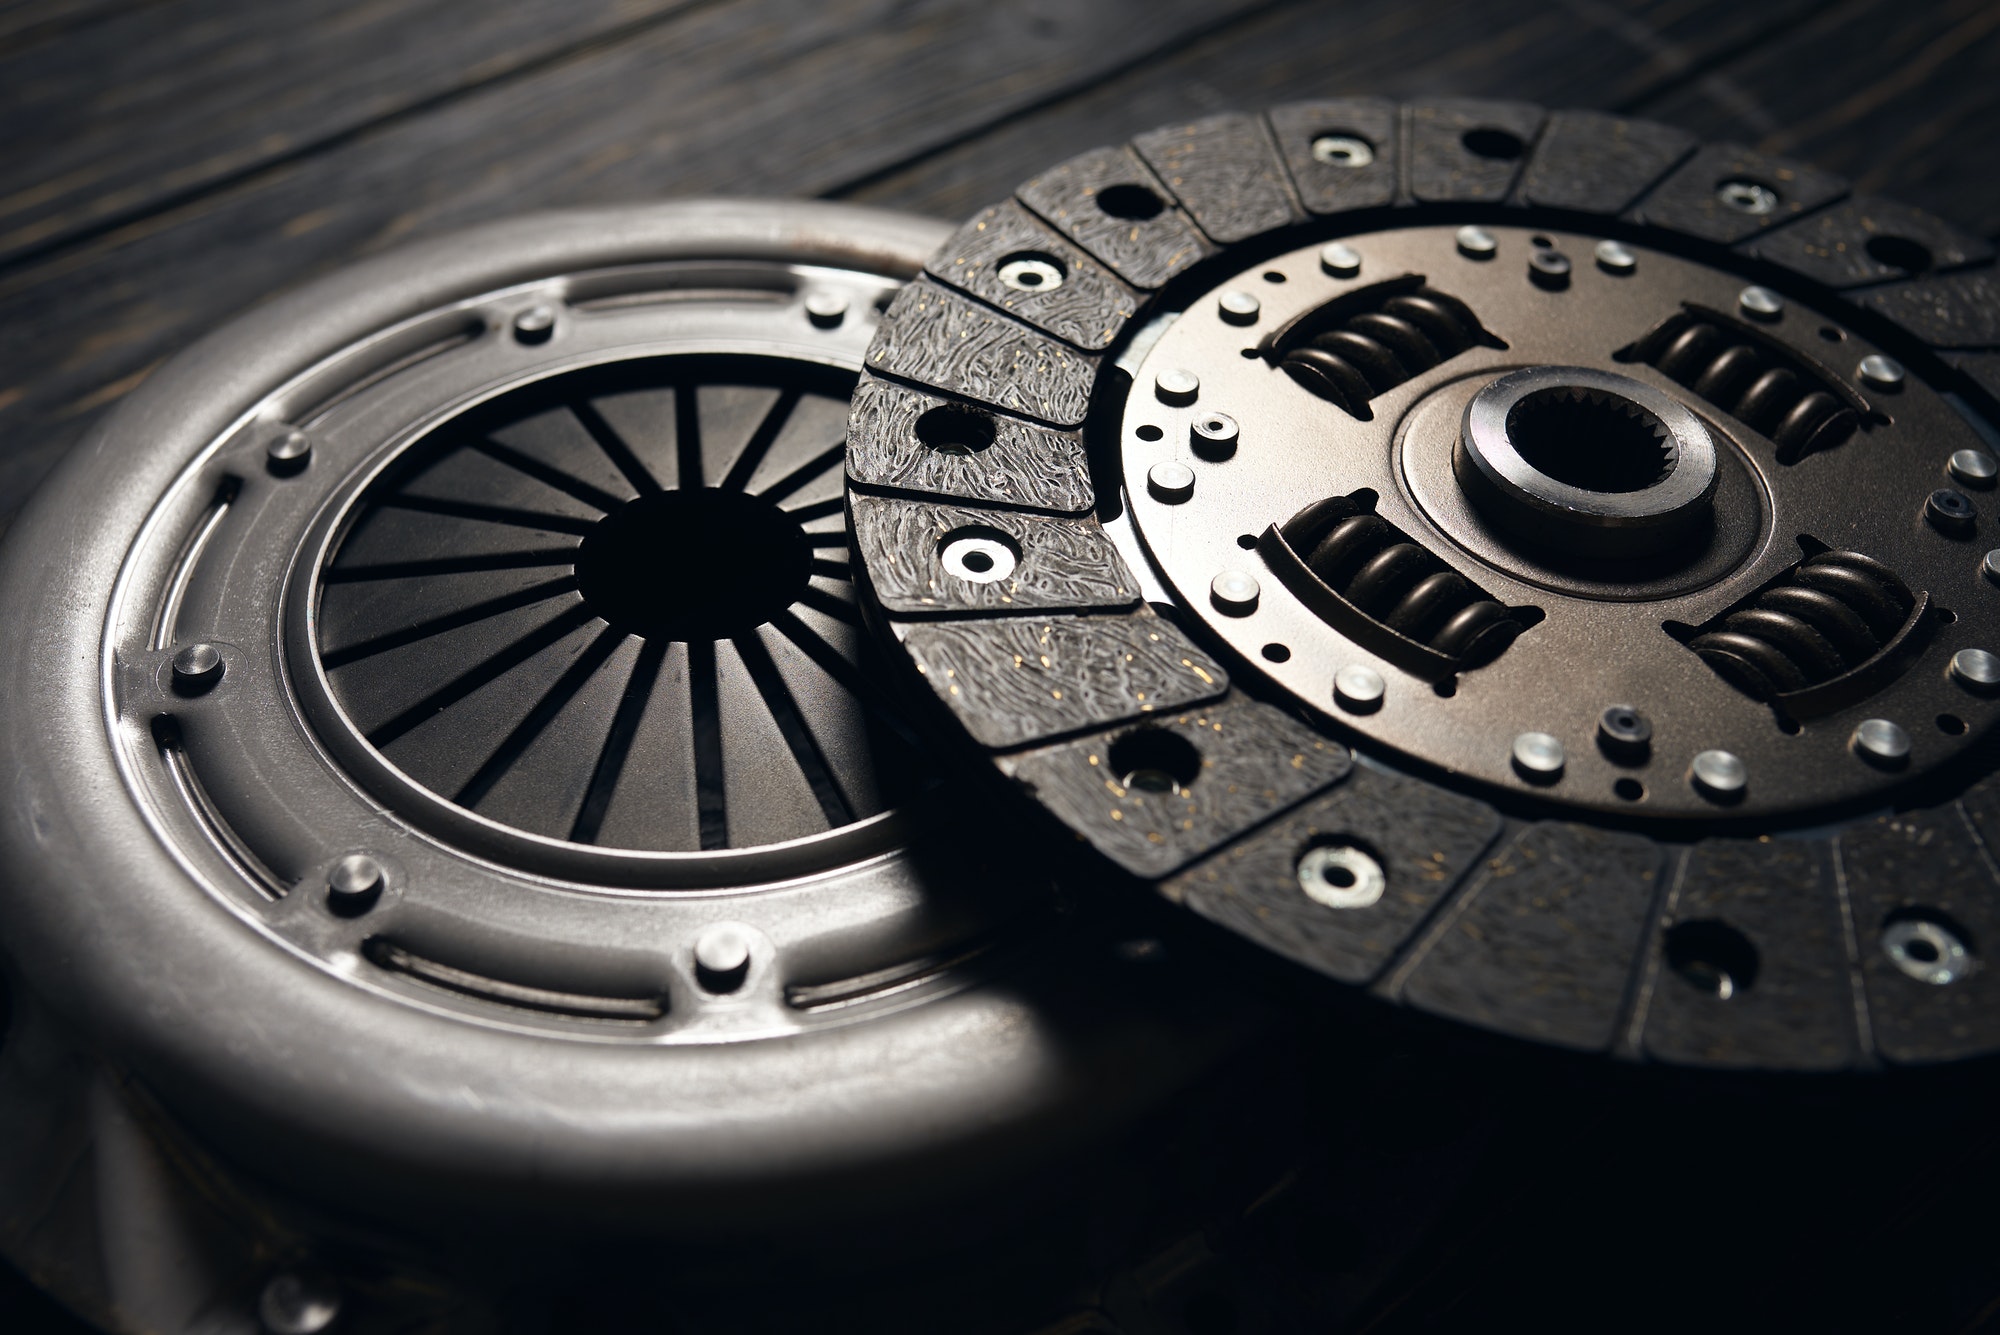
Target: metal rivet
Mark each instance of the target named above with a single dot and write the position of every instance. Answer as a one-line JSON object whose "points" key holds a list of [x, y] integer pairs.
{"points": [[1213, 436], [1880, 742], [1719, 774], [1340, 259], [1239, 307], [1538, 757], [197, 668], [1624, 733], [1976, 670], [1177, 387], [1476, 242], [1342, 150], [1234, 593], [1549, 269], [826, 309], [296, 1304], [977, 558], [1170, 482], [1030, 273], [1927, 951], [1760, 303], [1615, 258], [1359, 688], [1881, 372], [535, 324], [1950, 511], [1975, 468], [354, 884], [1341, 878], [1748, 197], [722, 957], [1989, 566], [288, 453]]}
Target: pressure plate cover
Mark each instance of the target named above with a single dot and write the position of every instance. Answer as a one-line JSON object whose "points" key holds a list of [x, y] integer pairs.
{"points": [[1529, 565], [445, 763]]}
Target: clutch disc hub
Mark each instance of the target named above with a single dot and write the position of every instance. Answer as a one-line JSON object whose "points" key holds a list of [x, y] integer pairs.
{"points": [[1525, 564]]}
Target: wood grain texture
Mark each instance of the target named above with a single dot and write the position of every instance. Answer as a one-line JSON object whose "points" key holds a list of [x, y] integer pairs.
{"points": [[1026, 465], [939, 339], [1425, 839], [1225, 172], [1546, 942], [1088, 308], [1063, 564], [1797, 1011], [1017, 681], [1253, 762], [1146, 249]]}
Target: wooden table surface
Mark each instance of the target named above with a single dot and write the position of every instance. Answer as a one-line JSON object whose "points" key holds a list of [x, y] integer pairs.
{"points": [[165, 164]]}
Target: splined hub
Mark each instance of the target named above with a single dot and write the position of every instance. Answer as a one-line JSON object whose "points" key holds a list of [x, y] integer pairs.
{"points": [[1593, 534]]}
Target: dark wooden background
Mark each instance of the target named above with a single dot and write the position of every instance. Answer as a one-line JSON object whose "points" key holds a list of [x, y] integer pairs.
{"points": [[165, 164]]}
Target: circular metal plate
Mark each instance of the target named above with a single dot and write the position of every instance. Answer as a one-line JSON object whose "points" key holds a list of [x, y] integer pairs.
{"points": [[1228, 450]]}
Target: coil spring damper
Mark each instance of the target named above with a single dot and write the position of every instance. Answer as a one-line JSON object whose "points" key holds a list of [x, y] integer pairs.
{"points": [[1502, 565]]}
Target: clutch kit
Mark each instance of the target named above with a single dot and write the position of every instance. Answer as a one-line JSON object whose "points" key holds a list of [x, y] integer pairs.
{"points": [[1525, 564], [447, 769]]}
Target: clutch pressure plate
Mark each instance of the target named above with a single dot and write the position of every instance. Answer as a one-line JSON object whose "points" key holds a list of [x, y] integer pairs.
{"points": [[1529, 565]]}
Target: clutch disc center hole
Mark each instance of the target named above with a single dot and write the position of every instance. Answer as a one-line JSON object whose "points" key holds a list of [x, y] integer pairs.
{"points": [[693, 565]]}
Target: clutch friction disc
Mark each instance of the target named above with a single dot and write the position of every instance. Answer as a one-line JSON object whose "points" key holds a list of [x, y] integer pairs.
{"points": [[1531, 566], [446, 764]]}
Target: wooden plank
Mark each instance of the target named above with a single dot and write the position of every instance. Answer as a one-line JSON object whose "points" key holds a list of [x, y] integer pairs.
{"points": [[1586, 54], [764, 97], [1900, 98], [151, 104]]}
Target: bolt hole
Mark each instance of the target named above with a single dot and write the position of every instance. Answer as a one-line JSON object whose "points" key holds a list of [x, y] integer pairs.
{"points": [[1713, 957], [1951, 725], [979, 561], [1135, 203], [1247, 541], [1153, 760], [1149, 432], [1788, 725], [1446, 688], [1496, 144], [1542, 242], [1250, 354], [1944, 615], [1278, 653], [1630, 790], [954, 430], [1031, 271], [1273, 276], [1899, 252], [1832, 335]]}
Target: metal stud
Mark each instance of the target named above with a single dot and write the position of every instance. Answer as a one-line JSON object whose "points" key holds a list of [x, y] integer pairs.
{"points": [[722, 957], [197, 668], [1538, 757], [1760, 303], [1881, 372], [1177, 388], [1359, 688], [1989, 566], [1881, 742], [1975, 468], [1340, 259], [288, 453], [1476, 242], [1213, 435], [1170, 483], [1238, 307], [535, 325], [1549, 269], [1950, 512], [1615, 258], [1234, 593], [354, 884], [1976, 670], [826, 309], [1720, 775], [1623, 733]]}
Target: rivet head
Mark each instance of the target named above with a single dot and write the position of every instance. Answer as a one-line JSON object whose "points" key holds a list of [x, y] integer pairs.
{"points": [[298, 1304], [1927, 951], [1880, 742], [354, 884], [1538, 757], [1213, 435], [1549, 269], [1476, 242], [1239, 307], [1177, 388], [197, 668], [1975, 468], [722, 957], [1234, 593], [978, 557], [1989, 566], [1615, 257], [1340, 877], [1340, 259], [1950, 512], [826, 309], [1720, 775], [1760, 303], [1170, 482], [1976, 670], [1359, 688], [1624, 733], [1342, 150], [535, 324], [288, 453], [1881, 372], [1751, 197], [1030, 273]]}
